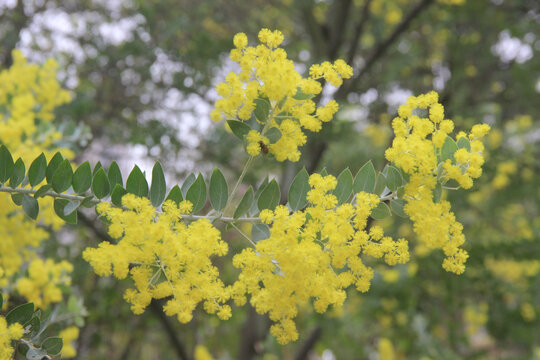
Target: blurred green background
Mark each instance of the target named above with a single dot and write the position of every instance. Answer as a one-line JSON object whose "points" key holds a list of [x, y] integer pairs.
{"points": [[142, 73]]}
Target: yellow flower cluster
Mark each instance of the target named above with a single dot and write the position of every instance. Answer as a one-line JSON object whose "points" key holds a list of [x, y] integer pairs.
{"points": [[312, 254], [28, 95], [386, 349], [416, 148], [268, 80], [513, 271], [475, 317], [504, 170], [40, 286], [468, 164], [164, 256], [69, 335], [7, 335], [202, 353]]}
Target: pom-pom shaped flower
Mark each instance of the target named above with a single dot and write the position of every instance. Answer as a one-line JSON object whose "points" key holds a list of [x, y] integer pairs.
{"points": [[165, 257], [269, 89]]}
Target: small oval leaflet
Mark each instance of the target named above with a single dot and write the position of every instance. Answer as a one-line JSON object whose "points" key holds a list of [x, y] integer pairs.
{"points": [[100, 184], [37, 170], [344, 186], [219, 192], [269, 197], [245, 203], [61, 180], [82, 178], [298, 190], [365, 178], [136, 183], [197, 193], [157, 188]]}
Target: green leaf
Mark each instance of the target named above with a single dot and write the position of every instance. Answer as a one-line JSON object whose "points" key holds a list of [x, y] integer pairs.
{"points": [[17, 176], [71, 206], [273, 134], [21, 314], [254, 209], [117, 194], [37, 170], [30, 206], [365, 178], [42, 191], [382, 211], [52, 345], [300, 95], [1, 300], [269, 197], [187, 183], [82, 178], [175, 195], [448, 149], [97, 167], [136, 183], [344, 186], [239, 128], [53, 165], [6, 164], [218, 190], [59, 205], [158, 186], [262, 109], [393, 178], [197, 193], [100, 184], [17, 199], [260, 232], [463, 143], [298, 190], [397, 207], [282, 102], [245, 203], [324, 172], [61, 180], [115, 175], [33, 326], [380, 184]]}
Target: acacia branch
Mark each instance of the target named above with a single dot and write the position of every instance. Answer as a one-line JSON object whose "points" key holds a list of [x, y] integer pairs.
{"points": [[310, 342], [337, 25], [384, 45], [358, 30]]}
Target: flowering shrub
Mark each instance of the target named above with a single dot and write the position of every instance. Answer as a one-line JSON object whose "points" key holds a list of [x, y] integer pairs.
{"points": [[303, 253]]}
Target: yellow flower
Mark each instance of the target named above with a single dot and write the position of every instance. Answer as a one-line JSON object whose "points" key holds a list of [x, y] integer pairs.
{"points": [[164, 256], [269, 83], [69, 335]]}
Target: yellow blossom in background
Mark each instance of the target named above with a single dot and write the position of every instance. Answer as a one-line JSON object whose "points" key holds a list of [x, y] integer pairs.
{"points": [[386, 349], [69, 335], [475, 317], [7, 334], [28, 94], [41, 284], [527, 312], [269, 87], [202, 353], [165, 257]]}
